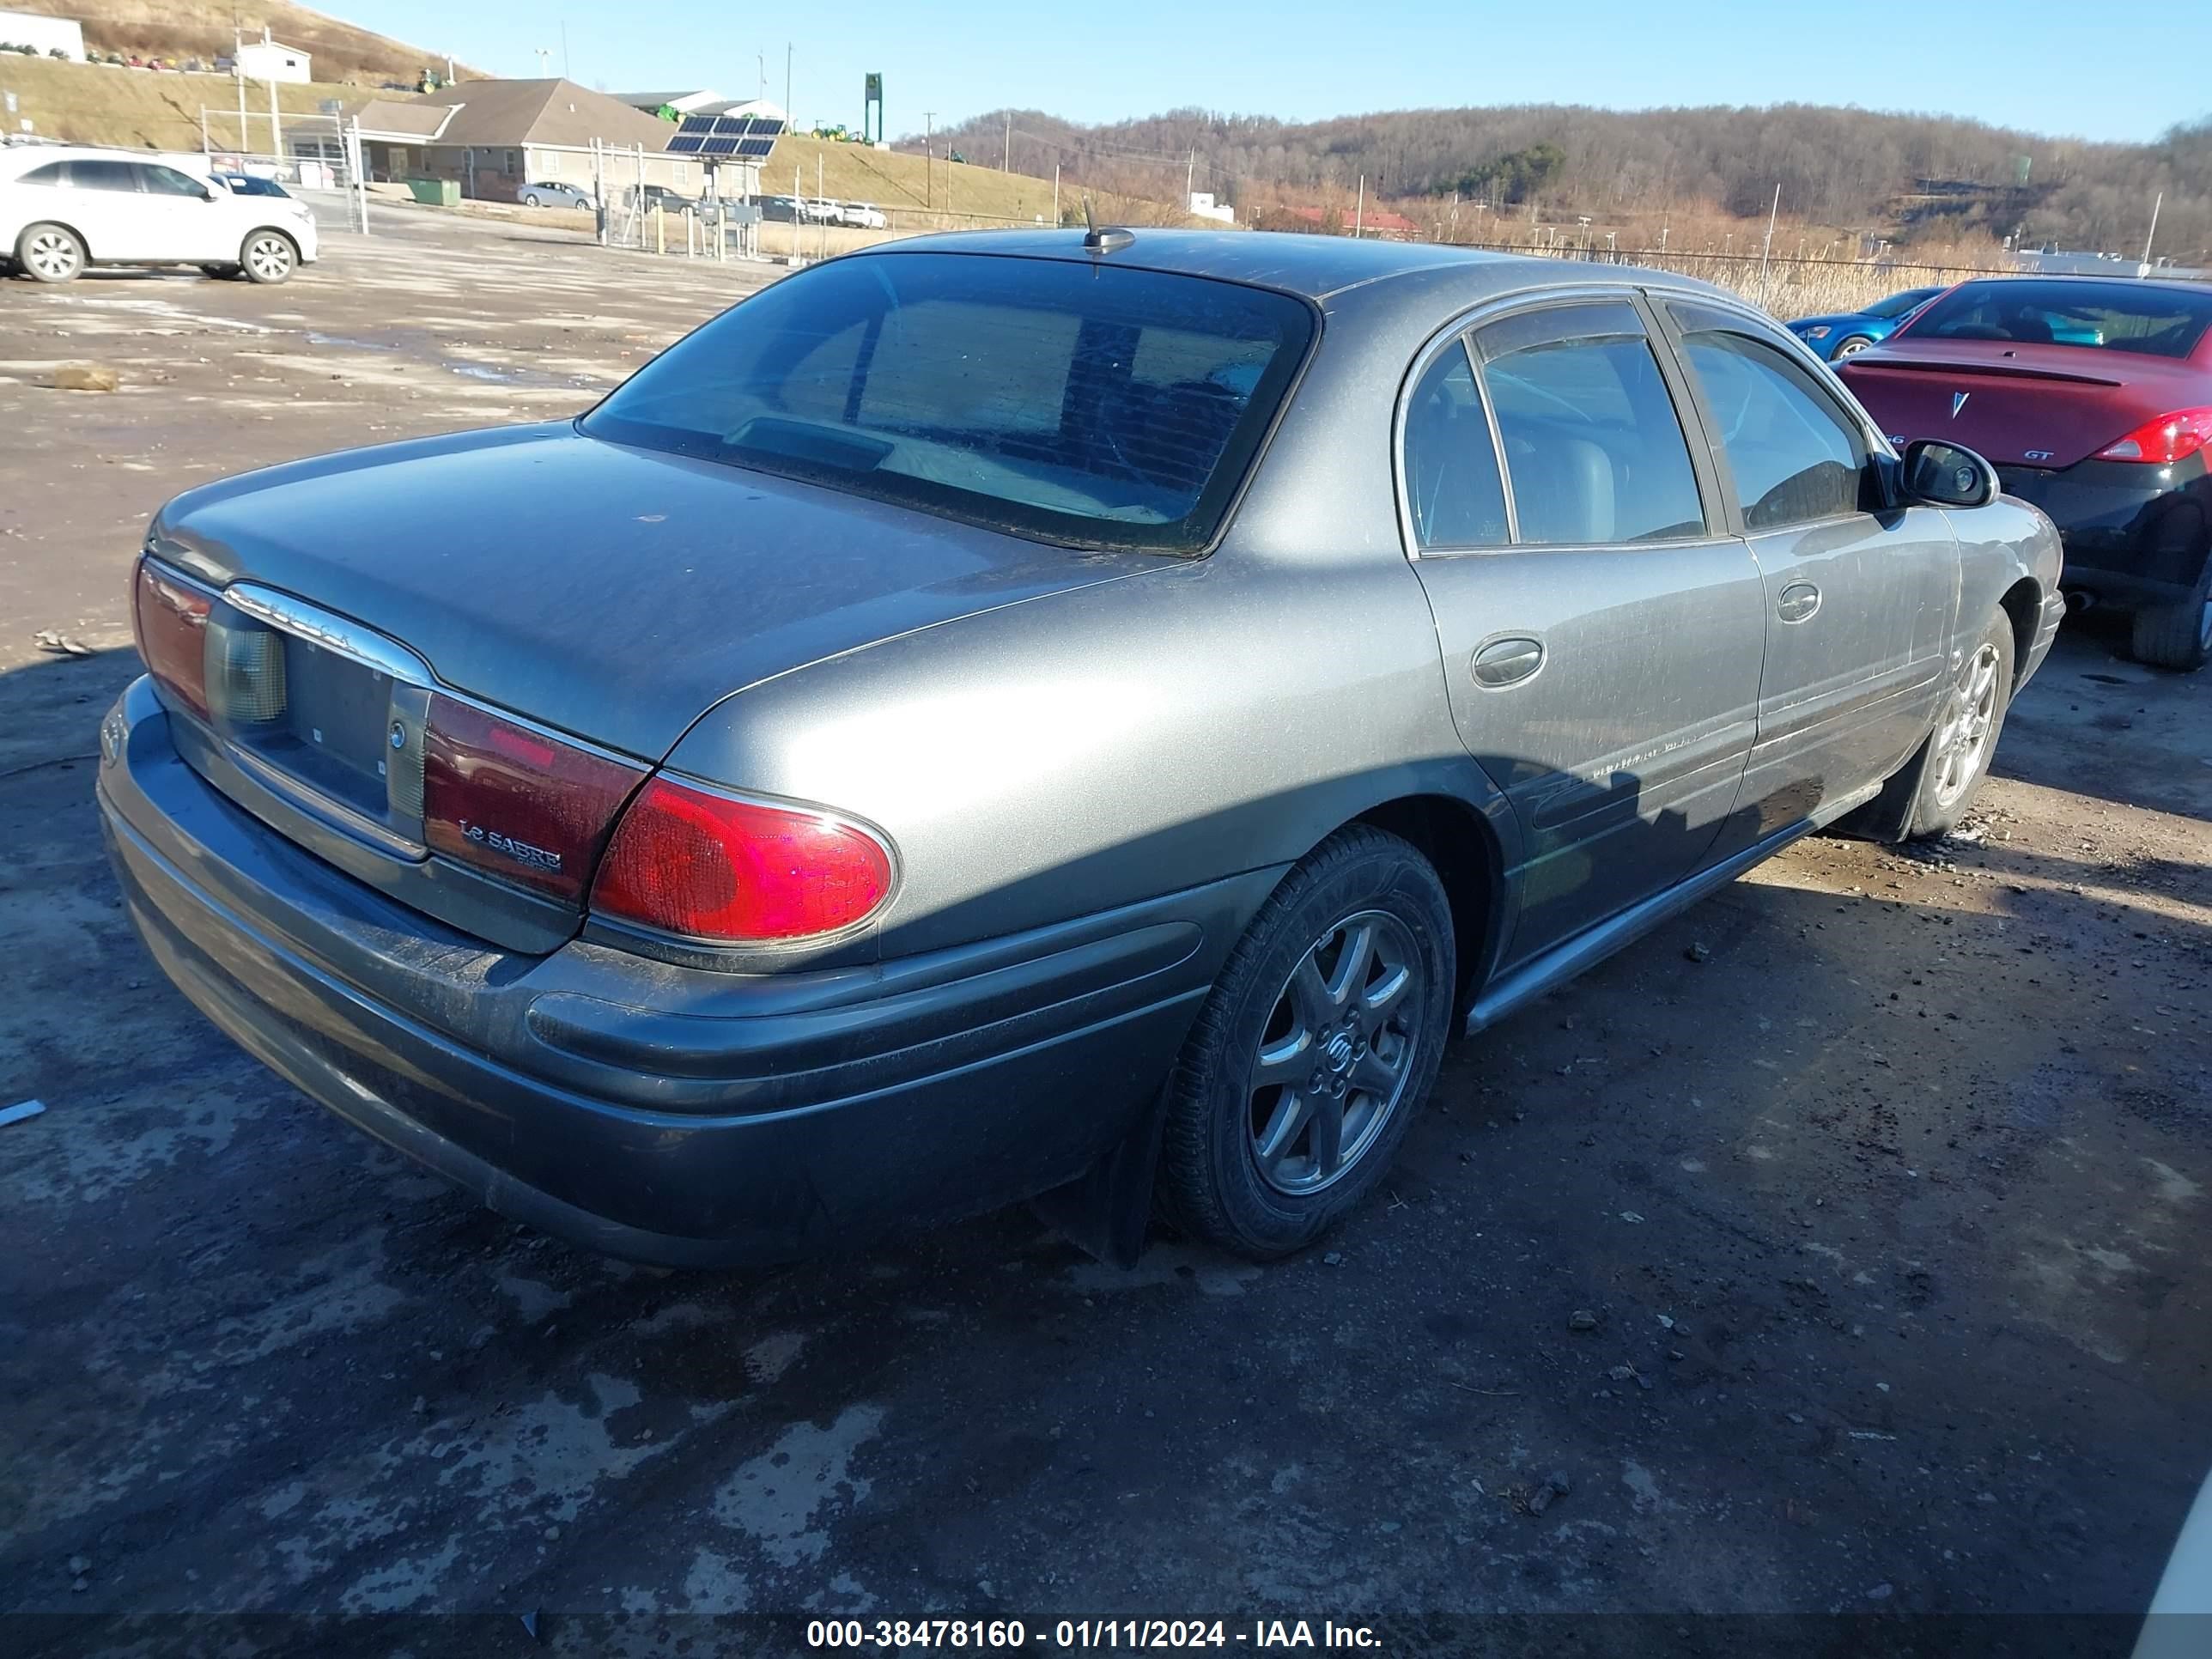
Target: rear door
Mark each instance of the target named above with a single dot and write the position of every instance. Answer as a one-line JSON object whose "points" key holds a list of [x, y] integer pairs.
{"points": [[1859, 597], [1600, 635], [108, 208]]}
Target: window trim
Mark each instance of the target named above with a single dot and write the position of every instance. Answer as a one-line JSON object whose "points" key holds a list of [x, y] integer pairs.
{"points": [[1754, 326], [1689, 419]]}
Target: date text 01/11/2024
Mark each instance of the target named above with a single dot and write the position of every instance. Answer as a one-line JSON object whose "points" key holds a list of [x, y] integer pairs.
{"points": [[1138, 1633]]}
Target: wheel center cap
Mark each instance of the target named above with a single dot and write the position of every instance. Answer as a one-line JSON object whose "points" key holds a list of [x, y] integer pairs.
{"points": [[1336, 1053]]}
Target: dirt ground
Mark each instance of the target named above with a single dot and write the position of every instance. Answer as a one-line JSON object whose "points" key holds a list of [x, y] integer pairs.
{"points": [[1890, 1208]]}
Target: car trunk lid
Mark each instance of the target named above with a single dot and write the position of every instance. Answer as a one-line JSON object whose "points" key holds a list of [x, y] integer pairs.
{"points": [[2024, 406], [376, 618]]}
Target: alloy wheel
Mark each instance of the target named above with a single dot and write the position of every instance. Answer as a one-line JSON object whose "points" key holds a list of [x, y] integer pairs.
{"points": [[1336, 1053], [269, 258], [1963, 739], [52, 255]]}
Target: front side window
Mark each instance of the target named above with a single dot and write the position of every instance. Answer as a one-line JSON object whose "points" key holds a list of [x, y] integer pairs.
{"points": [[1091, 405], [168, 181], [1452, 486], [1897, 304], [1794, 457], [103, 175], [2156, 319], [1593, 446]]}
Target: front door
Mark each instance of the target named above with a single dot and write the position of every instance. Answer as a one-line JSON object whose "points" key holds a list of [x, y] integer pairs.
{"points": [[184, 227], [1600, 639], [1859, 597]]}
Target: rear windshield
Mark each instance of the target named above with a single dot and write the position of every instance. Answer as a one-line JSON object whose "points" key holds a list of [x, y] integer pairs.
{"points": [[1897, 304], [2159, 322], [1088, 404]]}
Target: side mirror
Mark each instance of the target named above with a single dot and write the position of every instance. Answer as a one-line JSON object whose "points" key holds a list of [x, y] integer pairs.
{"points": [[1937, 474]]}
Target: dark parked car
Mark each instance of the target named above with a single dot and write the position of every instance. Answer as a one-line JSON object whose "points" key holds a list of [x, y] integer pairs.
{"points": [[1035, 713], [2093, 397], [1846, 334]]}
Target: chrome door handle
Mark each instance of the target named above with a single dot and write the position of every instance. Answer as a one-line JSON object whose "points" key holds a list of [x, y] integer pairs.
{"points": [[1507, 662], [1798, 602]]}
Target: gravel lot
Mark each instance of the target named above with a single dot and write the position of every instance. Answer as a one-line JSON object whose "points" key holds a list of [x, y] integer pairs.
{"points": [[1887, 1212]]}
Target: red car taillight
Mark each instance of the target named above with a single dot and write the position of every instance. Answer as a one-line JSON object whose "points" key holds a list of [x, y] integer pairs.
{"points": [[515, 802], [171, 618], [2161, 442], [685, 860]]}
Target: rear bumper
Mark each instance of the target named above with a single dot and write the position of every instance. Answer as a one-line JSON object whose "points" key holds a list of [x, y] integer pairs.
{"points": [[2133, 534], [666, 1114]]}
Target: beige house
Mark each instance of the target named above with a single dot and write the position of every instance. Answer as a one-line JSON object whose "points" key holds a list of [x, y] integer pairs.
{"points": [[493, 137]]}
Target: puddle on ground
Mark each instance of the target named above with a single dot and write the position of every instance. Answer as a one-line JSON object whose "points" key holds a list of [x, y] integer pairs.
{"points": [[315, 338]]}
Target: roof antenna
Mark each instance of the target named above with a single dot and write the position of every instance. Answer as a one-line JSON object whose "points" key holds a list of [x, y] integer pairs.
{"points": [[1109, 240]]}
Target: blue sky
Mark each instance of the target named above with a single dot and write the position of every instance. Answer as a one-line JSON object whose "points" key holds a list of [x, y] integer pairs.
{"points": [[2015, 63]]}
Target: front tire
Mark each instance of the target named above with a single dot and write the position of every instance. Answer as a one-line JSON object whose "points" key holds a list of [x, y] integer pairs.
{"points": [[50, 254], [267, 256], [1958, 751], [1851, 346], [1319, 1041], [2177, 635]]}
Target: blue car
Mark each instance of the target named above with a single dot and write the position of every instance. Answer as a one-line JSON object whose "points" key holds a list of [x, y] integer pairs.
{"points": [[1847, 336]]}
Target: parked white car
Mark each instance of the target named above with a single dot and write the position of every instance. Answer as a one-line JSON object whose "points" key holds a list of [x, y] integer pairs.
{"points": [[861, 216], [63, 208]]}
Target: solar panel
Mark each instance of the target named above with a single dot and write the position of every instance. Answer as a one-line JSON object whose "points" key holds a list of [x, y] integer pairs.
{"points": [[719, 145], [685, 143], [697, 124], [766, 126], [730, 126], [755, 150]]}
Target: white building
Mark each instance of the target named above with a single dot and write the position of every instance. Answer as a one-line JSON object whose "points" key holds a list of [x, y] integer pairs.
{"points": [[267, 60], [1203, 206], [48, 34]]}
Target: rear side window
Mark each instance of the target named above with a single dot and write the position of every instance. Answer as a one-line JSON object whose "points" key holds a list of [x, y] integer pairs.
{"points": [[1091, 405], [1593, 446], [1452, 486], [1793, 458], [2140, 317], [103, 175], [49, 174]]}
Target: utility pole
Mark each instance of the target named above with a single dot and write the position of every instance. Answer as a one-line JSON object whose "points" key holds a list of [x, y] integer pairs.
{"points": [[238, 68], [1055, 192], [928, 158], [564, 49], [1189, 176], [2153, 237], [760, 62], [1360, 212], [787, 81], [276, 136], [545, 64], [1006, 157], [1767, 246]]}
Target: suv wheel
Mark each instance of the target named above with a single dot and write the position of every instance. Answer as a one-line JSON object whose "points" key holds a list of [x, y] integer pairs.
{"points": [[1318, 1042], [268, 256], [50, 254]]}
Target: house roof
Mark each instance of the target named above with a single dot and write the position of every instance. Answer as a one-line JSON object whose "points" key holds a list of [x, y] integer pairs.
{"points": [[389, 120], [271, 45], [555, 112], [682, 98]]}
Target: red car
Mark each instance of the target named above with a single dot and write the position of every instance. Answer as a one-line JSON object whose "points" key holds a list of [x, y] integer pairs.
{"points": [[2094, 397]]}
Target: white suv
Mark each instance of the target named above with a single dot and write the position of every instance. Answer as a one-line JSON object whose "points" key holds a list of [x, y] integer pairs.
{"points": [[62, 208]]}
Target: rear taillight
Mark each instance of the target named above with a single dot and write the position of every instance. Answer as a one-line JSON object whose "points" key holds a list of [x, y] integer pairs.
{"points": [[2161, 442], [515, 802], [706, 866], [171, 617]]}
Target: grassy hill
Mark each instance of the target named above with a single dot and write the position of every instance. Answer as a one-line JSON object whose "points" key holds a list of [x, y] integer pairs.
{"points": [[93, 104], [204, 29], [905, 184]]}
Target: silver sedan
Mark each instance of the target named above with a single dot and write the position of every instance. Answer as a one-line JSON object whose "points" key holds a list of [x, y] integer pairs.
{"points": [[1074, 716]]}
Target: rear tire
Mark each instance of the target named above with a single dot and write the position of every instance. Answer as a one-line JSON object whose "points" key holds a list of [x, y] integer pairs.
{"points": [[219, 273], [1318, 1043], [2178, 635], [1957, 756], [267, 256], [531, 198], [50, 254]]}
